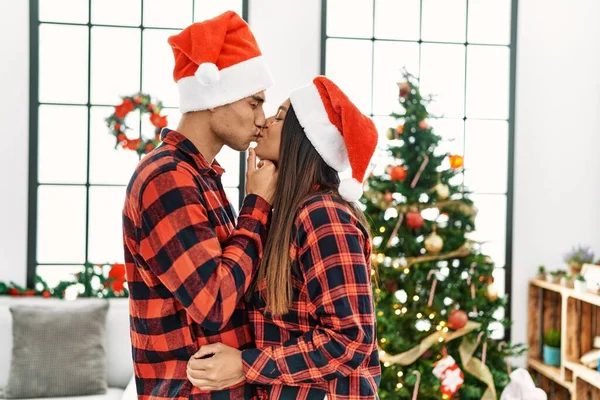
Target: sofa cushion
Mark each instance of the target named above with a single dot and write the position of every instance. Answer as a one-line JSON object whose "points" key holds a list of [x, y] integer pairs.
{"points": [[117, 341], [111, 394], [58, 351]]}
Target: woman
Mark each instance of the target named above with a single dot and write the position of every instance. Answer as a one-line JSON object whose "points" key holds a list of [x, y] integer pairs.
{"points": [[311, 306]]}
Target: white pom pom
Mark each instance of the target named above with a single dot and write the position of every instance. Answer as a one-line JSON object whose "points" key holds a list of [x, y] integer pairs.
{"points": [[208, 74], [350, 189]]}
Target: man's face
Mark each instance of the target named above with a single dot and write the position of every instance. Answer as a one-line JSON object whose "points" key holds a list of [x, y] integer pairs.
{"points": [[237, 124]]}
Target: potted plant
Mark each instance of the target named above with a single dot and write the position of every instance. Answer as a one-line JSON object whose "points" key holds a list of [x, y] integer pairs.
{"points": [[556, 275], [580, 284], [578, 256], [566, 281], [552, 347], [541, 275]]}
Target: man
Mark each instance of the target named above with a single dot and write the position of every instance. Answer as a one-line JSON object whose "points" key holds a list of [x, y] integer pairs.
{"points": [[188, 265]]}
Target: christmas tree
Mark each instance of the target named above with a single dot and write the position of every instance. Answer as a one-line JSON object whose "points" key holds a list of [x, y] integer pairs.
{"points": [[436, 301]]}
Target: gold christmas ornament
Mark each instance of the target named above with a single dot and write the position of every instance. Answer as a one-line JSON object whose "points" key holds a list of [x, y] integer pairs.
{"points": [[443, 191], [434, 243], [492, 292]]}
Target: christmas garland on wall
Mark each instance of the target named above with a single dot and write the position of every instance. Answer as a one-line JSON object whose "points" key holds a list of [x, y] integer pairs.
{"points": [[94, 281]]}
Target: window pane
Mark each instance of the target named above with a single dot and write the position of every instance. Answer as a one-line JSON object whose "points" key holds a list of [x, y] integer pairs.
{"points": [[168, 13], [106, 229], [61, 224], [383, 123], [157, 77], [488, 70], [490, 223], [499, 275], [486, 156], [443, 75], [397, 19], [234, 197], [62, 159], [107, 164], [452, 133], [117, 12], [206, 9], [489, 21], [350, 18], [54, 274], [354, 81], [230, 161], [497, 251], [173, 116], [115, 70], [444, 20], [60, 81], [76, 11], [390, 59]]}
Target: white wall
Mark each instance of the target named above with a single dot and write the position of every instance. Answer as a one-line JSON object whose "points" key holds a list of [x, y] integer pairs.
{"points": [[557, 145], [14, 115], [289, 35]]}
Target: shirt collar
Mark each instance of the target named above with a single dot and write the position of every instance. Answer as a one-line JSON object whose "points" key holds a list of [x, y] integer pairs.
{"points": [[185, 145]]}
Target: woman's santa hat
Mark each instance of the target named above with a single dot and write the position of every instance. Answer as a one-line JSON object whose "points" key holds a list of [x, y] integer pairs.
{"points": [[340, 133], [217, 62]]}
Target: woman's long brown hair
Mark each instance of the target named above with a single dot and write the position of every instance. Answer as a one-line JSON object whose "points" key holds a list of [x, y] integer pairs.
{"points": [[302, 175]]}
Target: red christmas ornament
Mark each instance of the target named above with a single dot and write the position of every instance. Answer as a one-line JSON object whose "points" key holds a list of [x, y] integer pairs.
{"points": [[117, 126], [13, 292], [149, 147], [138, 99], [398, 173], [404, 89], [391, 286], [29, 293], [121, 137], [423, 125], [46, 294], [414, 219], [458, 319], [400, 129], [456, 161]]}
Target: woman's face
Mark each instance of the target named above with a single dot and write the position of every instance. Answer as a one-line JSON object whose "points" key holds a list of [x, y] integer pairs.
{"points": [[270, 136]]}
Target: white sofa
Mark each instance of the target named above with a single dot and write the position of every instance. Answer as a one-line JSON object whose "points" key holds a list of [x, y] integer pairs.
{"points": [[118, 346]]}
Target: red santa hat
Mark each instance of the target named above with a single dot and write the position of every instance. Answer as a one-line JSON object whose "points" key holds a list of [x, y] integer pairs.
{"points": [[340, 133], [217, 62]]}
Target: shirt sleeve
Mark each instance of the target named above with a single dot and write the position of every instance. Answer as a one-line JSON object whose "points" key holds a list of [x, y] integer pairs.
{"points": [[332, 258], [181, 248]]}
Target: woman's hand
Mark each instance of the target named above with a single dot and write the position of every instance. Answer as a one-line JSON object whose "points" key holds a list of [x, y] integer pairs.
{"points": [[217, 372]]}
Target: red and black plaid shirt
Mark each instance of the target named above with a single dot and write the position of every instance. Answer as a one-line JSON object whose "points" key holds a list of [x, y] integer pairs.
{"points": [[188, 267], [326, 344]]}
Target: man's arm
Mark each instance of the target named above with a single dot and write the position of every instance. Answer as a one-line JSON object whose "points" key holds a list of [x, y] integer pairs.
{"points": [[181, 248]]}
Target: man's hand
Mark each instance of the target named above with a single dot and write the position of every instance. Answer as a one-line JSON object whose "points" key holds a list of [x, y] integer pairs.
{"points": [[224, 369], [261, 179]]}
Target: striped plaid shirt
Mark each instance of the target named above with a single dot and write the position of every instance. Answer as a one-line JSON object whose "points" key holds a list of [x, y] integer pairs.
{"points": [[188, 267], [326, 344]]}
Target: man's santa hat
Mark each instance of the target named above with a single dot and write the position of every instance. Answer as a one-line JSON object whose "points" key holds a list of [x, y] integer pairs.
{"points": [[340, 133], [217, 62]]}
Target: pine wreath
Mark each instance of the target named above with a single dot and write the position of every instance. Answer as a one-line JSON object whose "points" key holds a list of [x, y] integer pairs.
{"points": [[118, 128]]}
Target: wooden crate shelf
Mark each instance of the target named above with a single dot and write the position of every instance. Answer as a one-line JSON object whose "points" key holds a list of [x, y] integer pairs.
{"points": [[553, 373], [577, 316]]}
